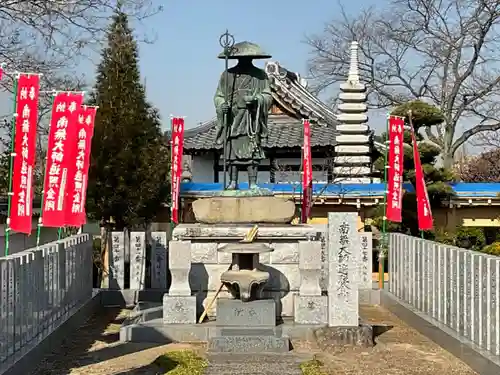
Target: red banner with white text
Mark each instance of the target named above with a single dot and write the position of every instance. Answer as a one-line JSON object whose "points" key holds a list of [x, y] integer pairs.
{"points": [[307, 175], [424, 212], [61, 143], [395, 173], [75, 214], [177, 153], [28, 89]]}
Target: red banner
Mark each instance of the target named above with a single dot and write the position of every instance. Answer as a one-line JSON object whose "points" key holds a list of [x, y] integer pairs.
{"points": [[307, 175], [395, 175], [28, 88], [423, 206], [75, 215], [62, 141], [177, 152]]}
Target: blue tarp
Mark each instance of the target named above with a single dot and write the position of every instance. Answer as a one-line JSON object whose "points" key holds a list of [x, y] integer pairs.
{"points": [[462, 189]]}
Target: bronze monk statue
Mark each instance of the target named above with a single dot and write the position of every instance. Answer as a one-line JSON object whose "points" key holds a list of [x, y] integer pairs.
{"points": [[242, 104]]}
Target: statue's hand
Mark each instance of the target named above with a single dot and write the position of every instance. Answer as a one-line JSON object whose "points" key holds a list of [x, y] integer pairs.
{"points": [[225, 107], [218, 141]]}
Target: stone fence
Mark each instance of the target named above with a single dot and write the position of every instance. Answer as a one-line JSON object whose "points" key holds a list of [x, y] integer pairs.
{"points": [[40, 289], [458, 288]]}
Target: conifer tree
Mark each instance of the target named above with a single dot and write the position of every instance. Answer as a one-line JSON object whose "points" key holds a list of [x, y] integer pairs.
{"points": [[436, 178], [128, 178]]}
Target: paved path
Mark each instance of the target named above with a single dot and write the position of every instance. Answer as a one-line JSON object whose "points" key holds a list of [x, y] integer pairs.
{"points": [[253, 364]]}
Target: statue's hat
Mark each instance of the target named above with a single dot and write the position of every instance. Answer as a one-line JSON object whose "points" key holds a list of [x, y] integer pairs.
{"points": [[245, 49]]}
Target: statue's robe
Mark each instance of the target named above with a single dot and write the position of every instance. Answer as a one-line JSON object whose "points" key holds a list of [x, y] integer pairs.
{"points": [[247, 125]]}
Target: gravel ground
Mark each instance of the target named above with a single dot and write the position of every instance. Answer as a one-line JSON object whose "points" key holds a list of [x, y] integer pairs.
{"points": [[94, 349], [400, 350]]}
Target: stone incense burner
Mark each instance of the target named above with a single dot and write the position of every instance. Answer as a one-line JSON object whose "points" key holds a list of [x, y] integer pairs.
{"points": [[243, 280]]}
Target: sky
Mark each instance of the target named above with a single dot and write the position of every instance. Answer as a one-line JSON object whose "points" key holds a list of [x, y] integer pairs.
{"points": [[181, 68]]}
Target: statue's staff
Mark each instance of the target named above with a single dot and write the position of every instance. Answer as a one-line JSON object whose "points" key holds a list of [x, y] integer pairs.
{"points": [[226, 41]]}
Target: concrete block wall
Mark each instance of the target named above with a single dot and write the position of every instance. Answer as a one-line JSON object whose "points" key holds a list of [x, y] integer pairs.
{"points": [[455, 287], [39, 290]]}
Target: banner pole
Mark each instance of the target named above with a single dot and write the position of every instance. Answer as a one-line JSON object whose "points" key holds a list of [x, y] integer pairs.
{"points": [[40, 219], [381, 256], [172, 224], [11, 167]]}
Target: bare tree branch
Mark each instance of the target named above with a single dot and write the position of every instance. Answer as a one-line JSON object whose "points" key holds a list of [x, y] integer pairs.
{"points": [[445, 52]]}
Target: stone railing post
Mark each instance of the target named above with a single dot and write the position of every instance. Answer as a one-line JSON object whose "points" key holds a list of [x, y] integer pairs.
{"points": [[310, 306], [179, 306]]}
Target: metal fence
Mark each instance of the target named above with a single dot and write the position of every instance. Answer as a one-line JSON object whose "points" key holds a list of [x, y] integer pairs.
{"points": [[458, 288], [39, 290]]}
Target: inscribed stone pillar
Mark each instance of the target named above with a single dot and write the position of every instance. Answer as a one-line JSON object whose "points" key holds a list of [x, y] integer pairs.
{"points": [[117, 261], [179, 306], [366, 260], [159, 260], [310, 306], [137, 260], [343, 276]]}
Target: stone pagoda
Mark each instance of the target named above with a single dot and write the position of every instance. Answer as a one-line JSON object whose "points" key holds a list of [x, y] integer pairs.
{"points": [[353, 149]]}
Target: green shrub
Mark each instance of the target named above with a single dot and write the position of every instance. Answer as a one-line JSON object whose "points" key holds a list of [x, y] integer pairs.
{"points": [[493, 249], [465, 237]]}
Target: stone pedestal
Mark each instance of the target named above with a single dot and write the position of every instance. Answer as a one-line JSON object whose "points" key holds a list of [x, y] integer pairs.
{"points": [[241, 209], [233, 312], [310, 307], [179, 309], [179, 306]]}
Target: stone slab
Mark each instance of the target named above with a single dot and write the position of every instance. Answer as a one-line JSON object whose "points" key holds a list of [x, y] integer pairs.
{"points": [[179, 309], [116, 279], [220, 210], [311, 309], [254, 340], [331, 338], [137, 260], [238, 231], [343, 275], [261, 313], [366, 242], [159, 260]]}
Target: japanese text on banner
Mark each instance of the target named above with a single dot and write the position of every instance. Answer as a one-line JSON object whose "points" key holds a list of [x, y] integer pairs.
{"points": [[395, 175], [307, 175], [78, 175], [177, 153], [424, 212], [62, 140], [28, 87]]}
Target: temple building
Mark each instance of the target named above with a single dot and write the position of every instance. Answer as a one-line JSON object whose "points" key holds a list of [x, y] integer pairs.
{"points": [[342, 144]]}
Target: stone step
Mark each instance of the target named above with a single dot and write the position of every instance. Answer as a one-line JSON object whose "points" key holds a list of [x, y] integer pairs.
{"points": [[272, 364], [289, 357], [249, 344]]}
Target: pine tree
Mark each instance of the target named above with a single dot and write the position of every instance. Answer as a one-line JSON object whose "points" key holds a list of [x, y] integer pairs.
{"points": [[128, 178], [436, 178]]}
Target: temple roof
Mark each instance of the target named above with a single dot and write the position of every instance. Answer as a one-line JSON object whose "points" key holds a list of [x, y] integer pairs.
{"points": [[289, 92], [284, 132]]}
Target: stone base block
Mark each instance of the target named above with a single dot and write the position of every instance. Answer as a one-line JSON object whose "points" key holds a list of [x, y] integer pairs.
{"points": [[244, 209], [311, 309], [331, 338], [235, 313], [179, 310], [232, 340]]}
